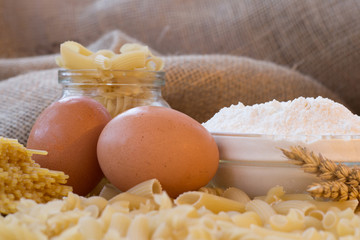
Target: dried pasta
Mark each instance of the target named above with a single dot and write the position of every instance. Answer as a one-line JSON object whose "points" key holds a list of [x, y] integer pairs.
{"points": [[210, 201], [157, 216], [112, 68], [147, 188], [21, 177]]}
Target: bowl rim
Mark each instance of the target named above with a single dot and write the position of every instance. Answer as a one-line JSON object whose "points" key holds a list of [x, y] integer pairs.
{"points": [[286, 137]]}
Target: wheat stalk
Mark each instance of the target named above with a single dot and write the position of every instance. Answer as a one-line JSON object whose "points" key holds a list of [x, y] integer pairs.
{"points": [[340, 181]]}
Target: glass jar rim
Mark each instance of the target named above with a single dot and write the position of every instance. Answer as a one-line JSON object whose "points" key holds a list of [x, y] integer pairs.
{"points": [[110, 77]]}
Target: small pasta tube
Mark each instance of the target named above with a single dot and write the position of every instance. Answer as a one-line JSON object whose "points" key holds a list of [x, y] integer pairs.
{"points": [[102, 62], [284, 207], [344, 228], [75, 56], [262, 208], [134, 200], [212, 202], [236, 195], [147, 188], [293, 221], [139, 228], [330, 220], [312, 222]]}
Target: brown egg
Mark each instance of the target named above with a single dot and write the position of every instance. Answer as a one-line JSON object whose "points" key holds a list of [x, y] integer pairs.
{"points": [[69, 130], [156, 142]]}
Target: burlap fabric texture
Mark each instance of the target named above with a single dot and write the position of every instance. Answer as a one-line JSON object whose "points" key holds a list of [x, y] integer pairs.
{"points": [[319, 38], [198, 85], [263, 50]]}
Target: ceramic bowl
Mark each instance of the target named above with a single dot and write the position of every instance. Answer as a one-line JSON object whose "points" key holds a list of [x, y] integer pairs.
{"points": [[254, 162]]}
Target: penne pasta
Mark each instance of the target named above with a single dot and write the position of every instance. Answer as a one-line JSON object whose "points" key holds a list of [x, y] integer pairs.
{"points": [[128, 60], [209, 201], [147, 188], [262, 208], [296, 196], [325, 206], [74, 56]]}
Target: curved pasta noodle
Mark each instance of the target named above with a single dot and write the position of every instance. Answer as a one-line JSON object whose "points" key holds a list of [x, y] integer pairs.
{"points": [[211, 202], [284, 207], [293, 221], [236, 195], [134, 200], [247, 219], [274, 194]]}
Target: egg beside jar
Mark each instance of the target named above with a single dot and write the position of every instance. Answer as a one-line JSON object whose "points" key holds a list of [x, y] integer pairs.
{"points": [[68, 130], [155, 142]]}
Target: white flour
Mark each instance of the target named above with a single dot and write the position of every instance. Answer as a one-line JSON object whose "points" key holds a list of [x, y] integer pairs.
{"points": [[302, 116]]}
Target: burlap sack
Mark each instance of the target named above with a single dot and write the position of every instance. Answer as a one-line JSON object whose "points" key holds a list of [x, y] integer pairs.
{"points": [[319, 38], [196, 85]]}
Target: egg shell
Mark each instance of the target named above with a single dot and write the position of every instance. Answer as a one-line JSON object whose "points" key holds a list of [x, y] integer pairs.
{"points": [[157, 142], [69, 130]]}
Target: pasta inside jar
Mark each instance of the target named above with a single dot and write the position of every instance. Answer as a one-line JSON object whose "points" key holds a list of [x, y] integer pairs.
{"points": [[117, 90]]}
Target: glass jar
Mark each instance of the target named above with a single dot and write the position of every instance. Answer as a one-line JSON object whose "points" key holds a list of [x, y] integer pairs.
{"points": [[117, 90]]}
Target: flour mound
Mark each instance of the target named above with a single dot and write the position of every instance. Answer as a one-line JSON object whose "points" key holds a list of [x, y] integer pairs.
{"points": [[301, 116]]}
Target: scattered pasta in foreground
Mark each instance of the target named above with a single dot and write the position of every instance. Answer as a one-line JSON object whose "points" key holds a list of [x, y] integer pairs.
{"points": [[21, 177], [146, 212]]}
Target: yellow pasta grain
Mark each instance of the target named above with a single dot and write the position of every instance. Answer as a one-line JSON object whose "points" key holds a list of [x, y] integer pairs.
{"points": [[21, 177]]}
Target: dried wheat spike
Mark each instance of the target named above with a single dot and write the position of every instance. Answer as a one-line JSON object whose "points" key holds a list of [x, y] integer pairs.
{"points": [[334, 190], [317, 164], [341, 182]]}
